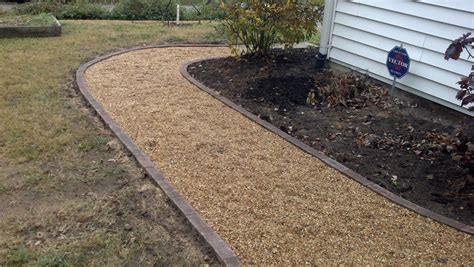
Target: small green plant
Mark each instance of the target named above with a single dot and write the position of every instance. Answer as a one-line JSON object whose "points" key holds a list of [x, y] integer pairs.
{"points": [[145, 10], [19, 256], [3, 189], [35, 8], [82, 11], [27, 20], [93, 143], [259, 24], [22, 256], [218, 35], [202, 12]]}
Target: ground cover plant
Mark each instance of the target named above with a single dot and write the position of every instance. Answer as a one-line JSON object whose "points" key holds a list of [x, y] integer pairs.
{"points": [[405, 144], [68, 194], [26, 20]]}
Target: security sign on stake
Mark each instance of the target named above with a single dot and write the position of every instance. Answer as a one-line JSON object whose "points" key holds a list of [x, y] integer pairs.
{"points": [[398, 62]]}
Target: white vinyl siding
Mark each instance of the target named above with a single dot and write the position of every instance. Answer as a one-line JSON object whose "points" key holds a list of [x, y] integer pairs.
{"points": [[364, 31]]}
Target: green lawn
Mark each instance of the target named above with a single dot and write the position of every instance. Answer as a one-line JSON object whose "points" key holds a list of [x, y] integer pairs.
{"points": [[66, 195]]}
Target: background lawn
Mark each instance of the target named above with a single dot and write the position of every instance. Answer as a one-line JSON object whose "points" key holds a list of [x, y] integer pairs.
{"points": [[68, 193]]}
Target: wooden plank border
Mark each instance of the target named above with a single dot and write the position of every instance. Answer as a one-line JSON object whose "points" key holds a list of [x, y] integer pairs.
{"points": [[31, 31]]}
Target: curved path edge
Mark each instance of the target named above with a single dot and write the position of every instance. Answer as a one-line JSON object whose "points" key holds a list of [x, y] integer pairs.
{"points": [[223, 251], [327, 160]]}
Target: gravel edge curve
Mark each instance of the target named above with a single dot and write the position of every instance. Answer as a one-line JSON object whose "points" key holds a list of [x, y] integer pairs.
{"points": [[223, 251]]}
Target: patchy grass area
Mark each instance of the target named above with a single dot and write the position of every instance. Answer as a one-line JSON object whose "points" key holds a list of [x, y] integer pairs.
{"points": [[26, 20], [69, 194]]}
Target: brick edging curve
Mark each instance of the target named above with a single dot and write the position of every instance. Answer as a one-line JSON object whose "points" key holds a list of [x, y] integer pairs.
{"points": [[327, 160], [224, 253]]}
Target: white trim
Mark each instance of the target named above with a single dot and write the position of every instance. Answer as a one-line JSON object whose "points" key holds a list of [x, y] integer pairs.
{"points": [[328, 21]]}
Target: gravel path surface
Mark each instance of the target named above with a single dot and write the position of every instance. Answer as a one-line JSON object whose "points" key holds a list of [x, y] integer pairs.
{"points": [[273, 203]]}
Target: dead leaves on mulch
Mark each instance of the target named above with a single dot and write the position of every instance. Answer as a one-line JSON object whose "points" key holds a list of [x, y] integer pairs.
{"points": [[351, 90]]}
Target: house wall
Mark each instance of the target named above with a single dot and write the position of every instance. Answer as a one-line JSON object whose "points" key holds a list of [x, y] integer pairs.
{"points": [[363, 31]]}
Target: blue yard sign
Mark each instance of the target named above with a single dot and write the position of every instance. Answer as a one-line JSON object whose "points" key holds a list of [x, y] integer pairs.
{"points": [[398, 62]]}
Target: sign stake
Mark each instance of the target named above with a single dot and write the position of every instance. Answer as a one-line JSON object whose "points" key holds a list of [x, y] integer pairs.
{"points": [[394, 78], [393, 85]]}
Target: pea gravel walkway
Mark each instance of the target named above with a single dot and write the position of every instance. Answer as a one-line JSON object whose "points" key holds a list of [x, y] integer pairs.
{"points": [[273, 203]]}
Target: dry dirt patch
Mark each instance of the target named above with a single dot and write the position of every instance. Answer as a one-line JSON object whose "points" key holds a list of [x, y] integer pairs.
{"points": [[120, 219], [272, 202]]}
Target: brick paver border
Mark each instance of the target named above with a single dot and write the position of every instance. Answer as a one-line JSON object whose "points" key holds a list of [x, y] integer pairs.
{"points": [[223, 251], [327, 160]]}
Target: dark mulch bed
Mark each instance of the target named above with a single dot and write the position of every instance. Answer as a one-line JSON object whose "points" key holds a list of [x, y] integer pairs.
{"points": [[402, 143]]}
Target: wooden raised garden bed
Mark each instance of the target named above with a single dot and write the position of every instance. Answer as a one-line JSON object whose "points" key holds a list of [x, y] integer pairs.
{"points": [[21, 26]]}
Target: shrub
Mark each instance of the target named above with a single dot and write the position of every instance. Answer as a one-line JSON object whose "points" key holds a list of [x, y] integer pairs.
{"points": [[145, 10], [82, 11], [466, 84], [218, 35], [202, 12], [464, 142], [125, 9], [259, 24], [35, 8]]}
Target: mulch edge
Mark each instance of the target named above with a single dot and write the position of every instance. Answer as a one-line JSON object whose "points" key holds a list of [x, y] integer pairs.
{"points": [[224, 252], [327, 160]]}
